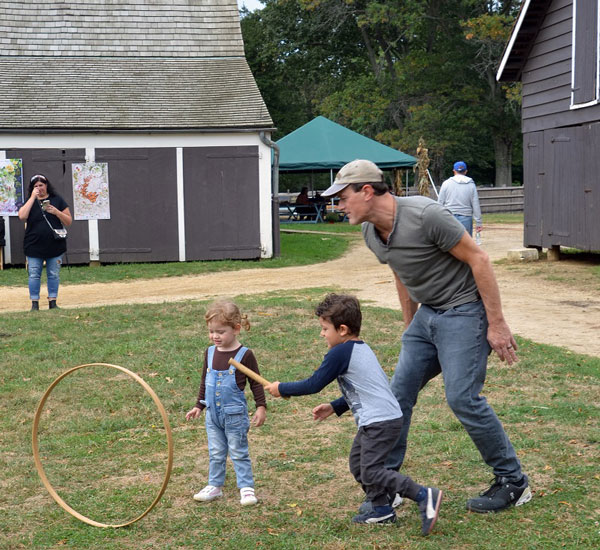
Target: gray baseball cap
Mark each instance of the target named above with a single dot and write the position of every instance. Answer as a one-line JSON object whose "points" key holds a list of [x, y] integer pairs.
{"points": [[357, 171]]}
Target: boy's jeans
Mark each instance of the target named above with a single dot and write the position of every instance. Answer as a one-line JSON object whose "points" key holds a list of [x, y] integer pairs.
{"points": [[34, 268], [233, 438], [453, 342]]}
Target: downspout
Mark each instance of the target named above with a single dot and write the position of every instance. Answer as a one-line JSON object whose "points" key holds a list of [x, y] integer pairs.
{"points": [[274, 193]]}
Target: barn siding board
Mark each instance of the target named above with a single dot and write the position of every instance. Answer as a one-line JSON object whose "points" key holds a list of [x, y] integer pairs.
{"points": [[55, 164], [534, 178], [541, 109], [554, 42], [560, 119], [552, 57], [561, 81], [221, 203], [543, 97], [143, 206], [546, 73], [549, 33]]}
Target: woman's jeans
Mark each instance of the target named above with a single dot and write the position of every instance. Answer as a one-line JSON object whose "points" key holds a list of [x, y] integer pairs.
{"points": [[453, 342], [34, 268], [467, 221]]}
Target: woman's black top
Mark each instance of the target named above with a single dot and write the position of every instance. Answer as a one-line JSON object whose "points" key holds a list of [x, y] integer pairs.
{"points": [[39, 239]]}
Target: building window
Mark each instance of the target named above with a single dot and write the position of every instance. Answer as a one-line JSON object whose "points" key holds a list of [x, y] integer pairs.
{"points": [[584, 65]]}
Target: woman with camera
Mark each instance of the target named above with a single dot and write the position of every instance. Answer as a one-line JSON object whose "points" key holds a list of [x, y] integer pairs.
{"points": [[46, 214]]}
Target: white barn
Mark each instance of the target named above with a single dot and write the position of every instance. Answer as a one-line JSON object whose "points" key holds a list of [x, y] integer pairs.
{"points": [[161, 91]]}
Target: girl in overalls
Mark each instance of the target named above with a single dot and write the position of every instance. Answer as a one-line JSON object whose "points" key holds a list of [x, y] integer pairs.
{"points": [[222, 395]]}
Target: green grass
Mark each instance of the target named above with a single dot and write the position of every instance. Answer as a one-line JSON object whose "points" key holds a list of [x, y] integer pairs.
{"points": [[341, 227], [296, 249], [103, 444], [503, 217]]}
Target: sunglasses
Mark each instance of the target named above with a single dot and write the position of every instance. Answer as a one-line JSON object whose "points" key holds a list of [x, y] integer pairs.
{"points": [[38, 177]]}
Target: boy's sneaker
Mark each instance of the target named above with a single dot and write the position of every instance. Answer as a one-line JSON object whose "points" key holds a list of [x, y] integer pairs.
{"points": [[210, 492], [502, 494], [247, 496], [367, 505], [430, 508], [379, 514]]}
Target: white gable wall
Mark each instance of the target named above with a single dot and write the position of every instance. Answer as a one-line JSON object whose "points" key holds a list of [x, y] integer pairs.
{"points": [[91, 141]]}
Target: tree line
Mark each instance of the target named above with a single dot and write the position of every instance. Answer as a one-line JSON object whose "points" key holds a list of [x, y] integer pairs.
{"points": [[395, 71]]}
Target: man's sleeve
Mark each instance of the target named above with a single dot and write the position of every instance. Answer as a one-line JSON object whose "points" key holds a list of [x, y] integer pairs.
{"points": [[476, 207], [442, 228], [335, 363]]}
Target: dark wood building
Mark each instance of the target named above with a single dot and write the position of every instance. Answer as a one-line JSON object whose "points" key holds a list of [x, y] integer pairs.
{"points": [[553, 51], [161, 91]]}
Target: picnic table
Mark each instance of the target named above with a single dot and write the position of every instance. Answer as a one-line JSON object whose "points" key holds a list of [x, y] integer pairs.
{"points": [[302, 213]]}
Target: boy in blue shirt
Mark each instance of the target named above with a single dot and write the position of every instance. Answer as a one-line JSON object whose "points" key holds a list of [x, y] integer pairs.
{"points": [[366, 392]]}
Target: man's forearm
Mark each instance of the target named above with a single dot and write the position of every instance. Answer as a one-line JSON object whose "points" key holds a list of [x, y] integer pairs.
{"points": [[409, 307]]}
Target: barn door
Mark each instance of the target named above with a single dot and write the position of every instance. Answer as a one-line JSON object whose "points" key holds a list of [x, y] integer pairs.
{"points": [[55, 164], [221, 190], [533, 187]]}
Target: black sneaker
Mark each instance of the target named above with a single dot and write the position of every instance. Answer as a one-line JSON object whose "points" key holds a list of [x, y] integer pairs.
{"points": [[35, 305], [367, 505], [502, 494], [379, 514], [430, 509]]}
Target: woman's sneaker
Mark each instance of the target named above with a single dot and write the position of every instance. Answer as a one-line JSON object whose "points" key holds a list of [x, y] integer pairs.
{"points": [[247, 496], [210, 492], [502, 494]]}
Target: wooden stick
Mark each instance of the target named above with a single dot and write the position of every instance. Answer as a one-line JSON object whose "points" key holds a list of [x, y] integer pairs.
{"points": [[251, 374]]}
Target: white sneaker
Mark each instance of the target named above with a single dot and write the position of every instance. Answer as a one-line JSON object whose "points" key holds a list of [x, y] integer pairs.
{"points": [[247, 497], [209, 493]]}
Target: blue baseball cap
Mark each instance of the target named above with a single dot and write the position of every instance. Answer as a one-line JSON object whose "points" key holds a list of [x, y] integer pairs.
{"points": [[460, 166]]}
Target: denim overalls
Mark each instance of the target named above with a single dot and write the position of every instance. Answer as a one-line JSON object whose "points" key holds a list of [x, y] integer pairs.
{"points": [[227, 424]]}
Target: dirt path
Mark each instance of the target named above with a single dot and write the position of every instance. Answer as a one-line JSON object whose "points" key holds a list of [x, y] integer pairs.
{"points": [[544, 311]]}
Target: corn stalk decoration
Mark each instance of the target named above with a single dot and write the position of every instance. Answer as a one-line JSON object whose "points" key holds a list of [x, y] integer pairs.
{"points": [[421, 167]]}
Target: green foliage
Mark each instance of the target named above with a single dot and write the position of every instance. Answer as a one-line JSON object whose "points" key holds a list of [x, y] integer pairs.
{"points": [[396, 72]]}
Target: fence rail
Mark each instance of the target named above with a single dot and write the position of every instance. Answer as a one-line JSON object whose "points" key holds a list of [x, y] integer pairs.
{"points": [[491, 199]]}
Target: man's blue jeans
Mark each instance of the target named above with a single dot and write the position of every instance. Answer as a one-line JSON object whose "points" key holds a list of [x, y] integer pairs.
{"points": [[453, 342], [467, 221], [34, 268]]}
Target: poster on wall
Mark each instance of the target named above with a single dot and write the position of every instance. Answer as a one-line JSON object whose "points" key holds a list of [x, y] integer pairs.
{"points": [[90, 191], [11, 186]]}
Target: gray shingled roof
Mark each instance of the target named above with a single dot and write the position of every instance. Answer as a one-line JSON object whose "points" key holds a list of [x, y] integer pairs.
{"points": [[125, 64]]}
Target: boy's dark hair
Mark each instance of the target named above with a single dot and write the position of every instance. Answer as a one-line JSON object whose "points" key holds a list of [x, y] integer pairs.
{"points": [[341, 309]]}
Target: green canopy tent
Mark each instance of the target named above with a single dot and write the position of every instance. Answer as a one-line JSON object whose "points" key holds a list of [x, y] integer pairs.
{"points": [[322, 144]]}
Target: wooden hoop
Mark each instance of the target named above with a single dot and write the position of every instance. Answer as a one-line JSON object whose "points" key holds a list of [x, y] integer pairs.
{"points": [[40, 468]]}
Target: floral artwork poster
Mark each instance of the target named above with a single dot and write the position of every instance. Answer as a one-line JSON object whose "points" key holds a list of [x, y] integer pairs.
{"points": [[90, 191], [11, 186]]}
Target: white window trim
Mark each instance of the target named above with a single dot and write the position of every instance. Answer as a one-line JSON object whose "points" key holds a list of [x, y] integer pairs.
{"points": [[595, 101]]}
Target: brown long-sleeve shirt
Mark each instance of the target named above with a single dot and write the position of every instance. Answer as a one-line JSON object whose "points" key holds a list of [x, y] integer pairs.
{"points": [[220, 362]]}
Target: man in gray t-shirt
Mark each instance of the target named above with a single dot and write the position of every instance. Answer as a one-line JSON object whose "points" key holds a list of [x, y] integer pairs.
{"points": [[436, 264]]}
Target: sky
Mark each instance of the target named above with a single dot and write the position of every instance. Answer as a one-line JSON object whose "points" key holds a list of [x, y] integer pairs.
{"points": [[250, 4]]}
